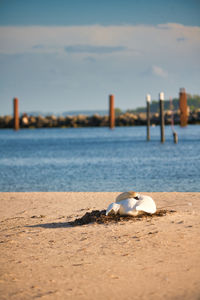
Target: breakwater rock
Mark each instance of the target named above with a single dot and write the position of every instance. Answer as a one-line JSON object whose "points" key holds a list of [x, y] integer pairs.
{"points": [[126, 119]]}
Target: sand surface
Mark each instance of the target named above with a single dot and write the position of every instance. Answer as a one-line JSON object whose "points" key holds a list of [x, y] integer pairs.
{"points": [[41, 256]]}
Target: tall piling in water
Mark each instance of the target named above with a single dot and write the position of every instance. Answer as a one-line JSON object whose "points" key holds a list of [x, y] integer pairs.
{"points": [[175, 135], [148, 100], [111, 112], [162, 120], [183, 107], [16, 114]]}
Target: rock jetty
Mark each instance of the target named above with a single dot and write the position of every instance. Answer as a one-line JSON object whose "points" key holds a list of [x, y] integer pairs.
{"points": [[126, 119]]}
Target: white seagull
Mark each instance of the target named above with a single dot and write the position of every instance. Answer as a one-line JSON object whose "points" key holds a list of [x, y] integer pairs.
{"points": [[130, 204]]}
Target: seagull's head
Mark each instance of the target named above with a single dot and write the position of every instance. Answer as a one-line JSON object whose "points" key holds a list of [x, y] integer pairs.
{"points": [[127, 195]]}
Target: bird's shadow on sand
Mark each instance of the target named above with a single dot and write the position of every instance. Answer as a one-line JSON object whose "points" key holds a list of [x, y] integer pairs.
{"points": [[52, 225], [99, 217]]}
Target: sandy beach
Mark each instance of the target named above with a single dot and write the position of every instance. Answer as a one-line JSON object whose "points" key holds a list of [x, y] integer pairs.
{"points": [[42, 256]]}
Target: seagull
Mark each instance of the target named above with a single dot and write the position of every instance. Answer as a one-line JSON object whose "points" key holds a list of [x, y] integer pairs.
{"points": [[130, 204]]}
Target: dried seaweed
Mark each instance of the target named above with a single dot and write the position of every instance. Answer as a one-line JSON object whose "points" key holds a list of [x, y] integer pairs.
{"points": [[99, 217]]}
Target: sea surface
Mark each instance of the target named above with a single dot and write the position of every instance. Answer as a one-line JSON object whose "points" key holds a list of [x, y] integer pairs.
{"points": [[99, 159]]}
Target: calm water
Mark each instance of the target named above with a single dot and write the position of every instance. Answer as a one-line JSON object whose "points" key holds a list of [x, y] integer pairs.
{"points": [[99, 159]]}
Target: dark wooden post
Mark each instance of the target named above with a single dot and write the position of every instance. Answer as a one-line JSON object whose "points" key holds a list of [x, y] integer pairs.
{"points": [[162, 121], [183, 107], [175, 135], [111, 111], [148, 100], [16, 114]]}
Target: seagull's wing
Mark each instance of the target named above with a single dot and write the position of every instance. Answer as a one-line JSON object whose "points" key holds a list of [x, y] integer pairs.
{"points": [[112, 209], [127, 206], [147, 204]]}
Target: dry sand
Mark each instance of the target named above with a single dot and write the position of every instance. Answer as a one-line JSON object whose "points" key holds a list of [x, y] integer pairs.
{"points": [[151, 258]]}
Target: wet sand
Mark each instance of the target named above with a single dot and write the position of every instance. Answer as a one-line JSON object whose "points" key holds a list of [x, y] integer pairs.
{"points": [[44, 256]]}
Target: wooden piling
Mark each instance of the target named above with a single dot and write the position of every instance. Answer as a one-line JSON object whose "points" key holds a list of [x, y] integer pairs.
{"points": [[111, 112], [175, 136], [148, 100], [16, 114], [183, 107], [162, 121]]}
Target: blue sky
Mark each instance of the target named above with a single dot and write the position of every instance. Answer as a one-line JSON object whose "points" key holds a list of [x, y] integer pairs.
{"points": [[61, 55], [105, 12]]}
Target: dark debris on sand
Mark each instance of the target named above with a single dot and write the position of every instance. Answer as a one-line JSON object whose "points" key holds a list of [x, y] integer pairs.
{"points": [[99, 217]]}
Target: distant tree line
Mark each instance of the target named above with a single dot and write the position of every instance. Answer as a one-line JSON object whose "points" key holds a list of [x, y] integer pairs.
{"points": [[193, 102]]}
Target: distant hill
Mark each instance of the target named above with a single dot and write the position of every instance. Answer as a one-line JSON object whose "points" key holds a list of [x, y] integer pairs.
{"points": [[69, 113], [193, 102]]}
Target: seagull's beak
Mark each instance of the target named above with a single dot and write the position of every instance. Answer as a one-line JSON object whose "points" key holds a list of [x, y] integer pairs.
{"points": [[136, 197]]}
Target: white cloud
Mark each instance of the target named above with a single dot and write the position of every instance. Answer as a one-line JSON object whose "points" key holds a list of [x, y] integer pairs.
{"points": [[137, 39], [158, 71]]}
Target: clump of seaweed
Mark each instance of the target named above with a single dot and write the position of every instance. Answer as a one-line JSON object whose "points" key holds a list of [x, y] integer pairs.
{"points": [[99, 217]]}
